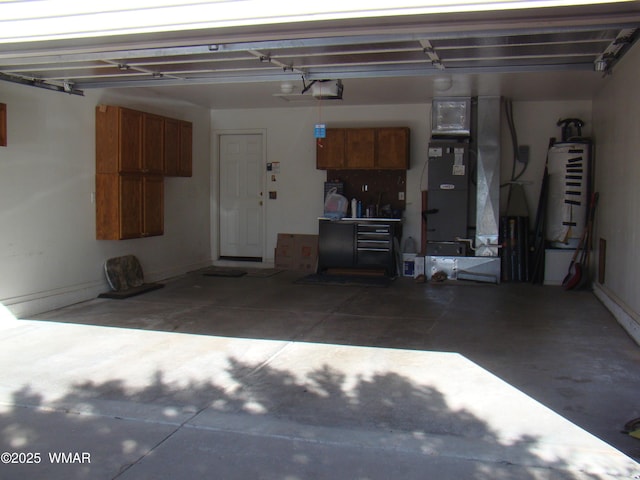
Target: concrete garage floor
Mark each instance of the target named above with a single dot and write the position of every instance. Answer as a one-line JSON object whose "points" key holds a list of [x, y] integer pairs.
{"points": [[261, 378]]}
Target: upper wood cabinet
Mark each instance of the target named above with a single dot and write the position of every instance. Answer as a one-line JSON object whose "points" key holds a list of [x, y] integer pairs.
{"points": [[330, 151], [392, 148], [364, 149], [360, 148], [152, 144], [178, 139], [129, 141], [118, 140]]}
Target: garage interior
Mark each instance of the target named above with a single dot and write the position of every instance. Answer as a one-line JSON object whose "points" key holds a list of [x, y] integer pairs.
{"points": [[264, 377]]}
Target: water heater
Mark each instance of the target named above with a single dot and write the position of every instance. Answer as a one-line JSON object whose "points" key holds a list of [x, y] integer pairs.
{"points": [[569, 170]]}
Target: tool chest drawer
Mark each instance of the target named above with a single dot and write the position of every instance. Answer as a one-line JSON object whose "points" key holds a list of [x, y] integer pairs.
{"points": [[377, 237], [374, 245]]}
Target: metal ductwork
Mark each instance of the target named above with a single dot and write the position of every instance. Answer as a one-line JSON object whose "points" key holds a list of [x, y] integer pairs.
{"points": [[463, 197], [488, 177]]}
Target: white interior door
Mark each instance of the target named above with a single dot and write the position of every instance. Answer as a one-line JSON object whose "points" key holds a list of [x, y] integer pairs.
{"points": [[241, 196]]}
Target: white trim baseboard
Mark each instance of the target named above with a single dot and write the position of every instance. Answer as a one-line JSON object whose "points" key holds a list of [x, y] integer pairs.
{"points": [[624, 318], [35, 303]]}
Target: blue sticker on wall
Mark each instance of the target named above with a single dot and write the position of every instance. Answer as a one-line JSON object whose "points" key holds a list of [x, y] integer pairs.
{"points": [[320, 130]]}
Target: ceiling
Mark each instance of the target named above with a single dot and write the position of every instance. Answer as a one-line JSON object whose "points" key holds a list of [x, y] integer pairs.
{"points": [[542, 54]]}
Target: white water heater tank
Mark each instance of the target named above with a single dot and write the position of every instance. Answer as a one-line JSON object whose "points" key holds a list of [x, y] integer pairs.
{"points": [[568, 166]]}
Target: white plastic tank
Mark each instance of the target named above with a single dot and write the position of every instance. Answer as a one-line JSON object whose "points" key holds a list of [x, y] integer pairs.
{"points": [[568, 166]]}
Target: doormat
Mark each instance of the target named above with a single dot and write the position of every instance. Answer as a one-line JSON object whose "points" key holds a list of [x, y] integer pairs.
{"points": [[224, 272], [345, 280]]}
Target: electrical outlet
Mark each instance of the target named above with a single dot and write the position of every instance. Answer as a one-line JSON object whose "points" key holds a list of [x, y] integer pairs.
{"points": [[400, 195]]}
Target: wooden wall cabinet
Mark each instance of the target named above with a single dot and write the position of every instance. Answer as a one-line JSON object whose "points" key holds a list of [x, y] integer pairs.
{"points": [[330, 151], [3, 125], [152, 144], [134, 152], [364, 149], [360, 147], [178, 138], [129, 206], [129, 167], [392, 148]]}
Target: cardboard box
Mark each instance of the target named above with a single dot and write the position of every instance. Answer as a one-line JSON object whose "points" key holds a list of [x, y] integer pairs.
{"points": [[297, 252]]}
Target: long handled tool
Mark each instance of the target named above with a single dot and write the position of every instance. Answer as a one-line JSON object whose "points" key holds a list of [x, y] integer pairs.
{"points": [[579, 274], [584, 274], [571, 272]]}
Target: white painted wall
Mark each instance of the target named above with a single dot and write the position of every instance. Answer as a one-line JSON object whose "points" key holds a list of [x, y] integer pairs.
{"points": [[290, 141], [536, 124], [616, 116], [48, 252]]}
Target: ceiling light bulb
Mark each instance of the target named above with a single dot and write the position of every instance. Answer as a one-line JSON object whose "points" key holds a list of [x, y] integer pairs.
{"points": [[442, 84], [286, 87]]}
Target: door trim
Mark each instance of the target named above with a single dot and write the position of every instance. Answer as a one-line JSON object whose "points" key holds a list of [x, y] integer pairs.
{"points": [[215, 187]]}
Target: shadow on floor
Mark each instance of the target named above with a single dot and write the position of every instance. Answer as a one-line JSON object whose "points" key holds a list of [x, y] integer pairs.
{"points": [[561, 348], [323, 425]]}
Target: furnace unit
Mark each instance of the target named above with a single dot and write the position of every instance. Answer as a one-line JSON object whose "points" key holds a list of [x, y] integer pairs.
{"points": [[447, 197], [448, 177], [463, 190]]}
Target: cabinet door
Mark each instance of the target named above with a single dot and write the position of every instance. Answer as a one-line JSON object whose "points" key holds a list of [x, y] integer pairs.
{"points": [[152, 205], [360, 148], [330, 151], [130, 141], [152, 144], [107, 206], [336, 245], [107, 139], [392, 148], [171, 147], [186, 149], [130, 206]]}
